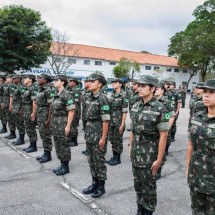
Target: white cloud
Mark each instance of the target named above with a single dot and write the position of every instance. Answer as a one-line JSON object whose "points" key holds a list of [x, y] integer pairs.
{"points": [[125, 24]]}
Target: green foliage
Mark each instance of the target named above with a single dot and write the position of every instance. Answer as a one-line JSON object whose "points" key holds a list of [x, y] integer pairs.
{"points": [[195, 46], [124, 68], [25, 39]]}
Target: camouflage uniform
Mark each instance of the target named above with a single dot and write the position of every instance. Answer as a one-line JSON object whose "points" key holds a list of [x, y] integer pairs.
{"points": [[43, 101], [60, 106], [201, 174], [149, 119], [183, 95], [118, 106], [98, 111], [1, 101], [85, 94]]}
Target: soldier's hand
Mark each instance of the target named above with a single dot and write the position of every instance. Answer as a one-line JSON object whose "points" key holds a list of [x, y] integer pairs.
{"points": [[67, 130], [155, 166], [121, 129], [101, 144], [33, 117], [10, 109]]}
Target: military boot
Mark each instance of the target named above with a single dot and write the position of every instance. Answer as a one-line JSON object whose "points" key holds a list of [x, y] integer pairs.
{"points": [[172, 137], [56, 169], [84, 152], [27, 148], [100, 189], [33, 148], [46, 158], [73, 142], [92, 187], [147, 212], [116, 159], [41, 156], [113, 158], [167, 150], [20, 140], [11, 136], [4, 129], [140, 210], [64, 168]]}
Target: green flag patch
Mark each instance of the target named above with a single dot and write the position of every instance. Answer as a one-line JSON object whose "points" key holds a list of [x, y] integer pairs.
{"points": [[166, 116], [69, 102], [105, 107]]}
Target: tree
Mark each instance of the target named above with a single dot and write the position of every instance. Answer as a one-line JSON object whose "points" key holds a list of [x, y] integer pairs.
{"points": [[61, 52], [124, 68], [24, 39], [195, 46]]}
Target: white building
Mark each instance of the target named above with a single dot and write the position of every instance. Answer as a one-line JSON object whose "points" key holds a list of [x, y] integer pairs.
{"points": [[86, 59]]}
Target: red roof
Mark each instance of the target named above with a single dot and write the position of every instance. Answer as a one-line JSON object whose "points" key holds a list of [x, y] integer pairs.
{"points": [[109, 54]]}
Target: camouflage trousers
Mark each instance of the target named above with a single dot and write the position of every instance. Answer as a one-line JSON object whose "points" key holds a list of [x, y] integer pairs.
{"points": [[62, 148], [8, 117], [74, 129], [145, 187], [202, 204], [174, 127], [19, 122], [96, 160], [45, 133], [116, 139], [30, 127]]}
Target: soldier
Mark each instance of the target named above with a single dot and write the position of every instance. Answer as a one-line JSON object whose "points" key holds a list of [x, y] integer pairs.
{"points": [[75, 91], [118, 113], [43, 101], [159, 94], [85, 94], [63, 110], [4, 124], [16, 98], [147, 141], [175, 99], [28, 111], [98, 116], [201, 155], [7, 107], [183, 94]]}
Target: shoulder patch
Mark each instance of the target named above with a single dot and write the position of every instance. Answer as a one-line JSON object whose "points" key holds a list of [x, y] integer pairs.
{"points": [[69, 102], [105, 107]]}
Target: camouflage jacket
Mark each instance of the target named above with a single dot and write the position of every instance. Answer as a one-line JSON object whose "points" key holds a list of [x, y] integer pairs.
{"points": [[118, 106], [98, 110], [201, 173], [85, 95], [76, 93], [149, 120], [165, 101], [60, 106], [105, 89], [1, 91], [6, 94], [17, 98], [43, 100], [174, 98], [196, 104]]}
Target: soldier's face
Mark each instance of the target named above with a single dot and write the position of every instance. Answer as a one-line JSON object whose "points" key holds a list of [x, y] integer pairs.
{"points": [[94, 85], [116, 85], [8, 80], [58, 83], [15, 80], [171, 86], [26, 80], [72, 83], [159, 91], [145, 90], [86, 84], [198, 91], [135, 86], [41, 80], [209, 97]]}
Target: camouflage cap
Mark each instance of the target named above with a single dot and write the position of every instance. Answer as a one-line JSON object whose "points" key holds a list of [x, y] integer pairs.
{"points": [[172, 82], [209, 84], [9, 75], [117, 80], [148, 80], [97, 76], [2, 75], [86, 78], [45, 76], [16, 76], [33, 77], [73, 79], [200, 84], [160, 84], [61, 77]]}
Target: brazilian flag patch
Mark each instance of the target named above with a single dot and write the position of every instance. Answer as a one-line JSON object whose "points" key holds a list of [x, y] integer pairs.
{"points": [[76, 95], [52, 94], [166, 116], [69, 102], [105, 107], [126, 100]]}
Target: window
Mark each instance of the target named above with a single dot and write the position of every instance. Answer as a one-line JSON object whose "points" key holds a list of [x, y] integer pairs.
{"points": [[194, 82], [98, 63], [112, 63], [185, 71], [57, 59], [156, 68], [176, 70], [72, 60], [148, 67], [168, 69], [86, 62]]}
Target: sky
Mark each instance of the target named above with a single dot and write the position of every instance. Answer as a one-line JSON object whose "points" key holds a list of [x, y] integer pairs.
{"points": [[134, 25]]}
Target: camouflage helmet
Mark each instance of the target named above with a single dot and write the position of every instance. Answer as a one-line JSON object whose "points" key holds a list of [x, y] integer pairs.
{"points": [[16, 76], [73, 78], [117, 80], [29, 76], [209, 84], [98, 76], [160, 84], [148, 80], [200, 84]]}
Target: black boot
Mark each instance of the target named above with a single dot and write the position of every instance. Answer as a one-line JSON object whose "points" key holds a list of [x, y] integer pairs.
{"points": [[140, 210], [4, 129], [92, 187], [46, 158], [33, 148], [167, 150], [147, 212], [172, 137], [73, 142], [41, 156], [11, 136], [113, 158], [56, 169], [64, 168], [158, 175], [84, 152], [116, 159], [100, 189], [27, 148], [20, 140]]}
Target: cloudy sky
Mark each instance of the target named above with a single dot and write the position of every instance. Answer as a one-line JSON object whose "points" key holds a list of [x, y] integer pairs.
{"points": [[122, 24]]}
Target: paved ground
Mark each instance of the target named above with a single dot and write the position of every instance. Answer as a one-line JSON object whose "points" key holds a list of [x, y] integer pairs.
{"points": [[27, 187]]}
